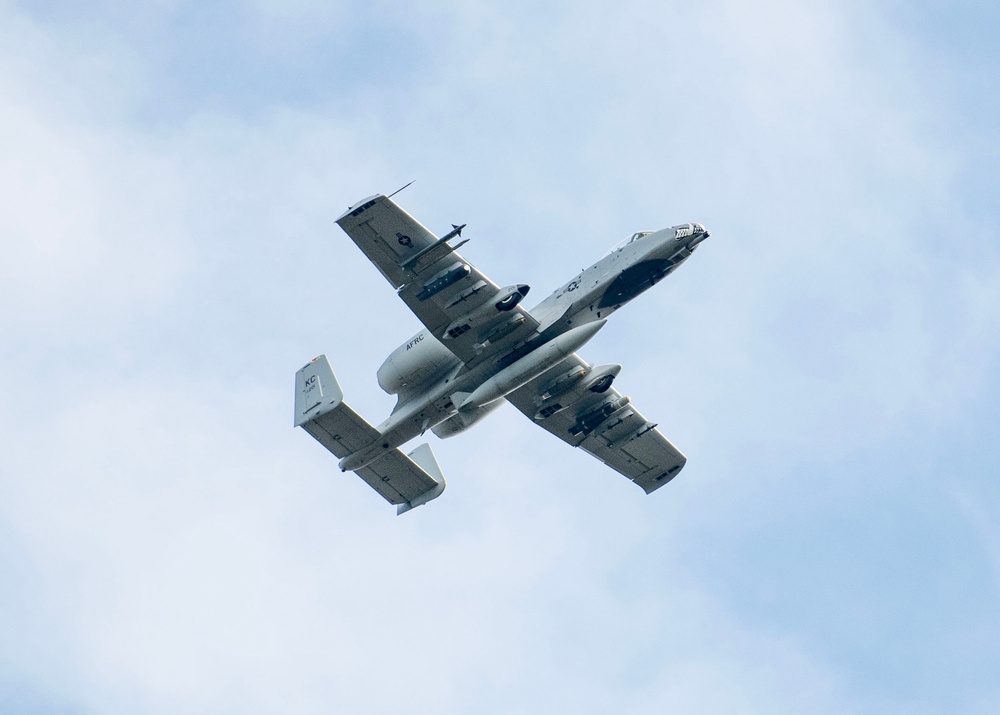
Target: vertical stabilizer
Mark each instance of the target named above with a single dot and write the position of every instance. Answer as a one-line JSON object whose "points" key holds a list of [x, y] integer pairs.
{"points": [[316, 391], [423, 457]]}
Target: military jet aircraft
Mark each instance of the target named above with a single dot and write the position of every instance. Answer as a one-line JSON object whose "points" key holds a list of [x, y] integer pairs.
{"points": [[480, 348]]}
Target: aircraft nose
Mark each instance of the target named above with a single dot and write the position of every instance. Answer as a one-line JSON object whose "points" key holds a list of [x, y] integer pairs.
{"points": [[700, 234]]}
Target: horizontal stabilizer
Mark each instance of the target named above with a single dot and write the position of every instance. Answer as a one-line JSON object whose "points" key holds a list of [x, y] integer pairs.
{"points": [[320, 411], [407, 481]]}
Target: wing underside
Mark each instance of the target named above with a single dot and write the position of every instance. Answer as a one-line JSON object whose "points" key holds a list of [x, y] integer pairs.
{"points": [[605, 424], [451, 297]]}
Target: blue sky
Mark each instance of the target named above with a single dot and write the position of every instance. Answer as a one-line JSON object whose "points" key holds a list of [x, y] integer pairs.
{"points": [[827, 361]]}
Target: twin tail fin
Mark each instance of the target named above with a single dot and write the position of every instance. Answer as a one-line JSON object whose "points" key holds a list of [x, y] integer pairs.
{"points": [[406, 480]]}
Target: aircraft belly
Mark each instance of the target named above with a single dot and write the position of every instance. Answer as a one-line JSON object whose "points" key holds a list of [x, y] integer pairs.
{"points": [[634, 280]]}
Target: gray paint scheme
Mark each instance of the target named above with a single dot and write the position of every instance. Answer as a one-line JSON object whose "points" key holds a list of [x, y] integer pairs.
{"points": [[480, 347]]}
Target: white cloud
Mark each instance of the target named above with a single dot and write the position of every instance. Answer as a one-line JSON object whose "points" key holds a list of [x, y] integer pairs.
{"points": [[183, 548], [91, 229]]}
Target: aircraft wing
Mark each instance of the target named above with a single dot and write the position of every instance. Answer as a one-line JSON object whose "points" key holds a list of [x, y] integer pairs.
{"points": [[605, 424], [446, 293]]}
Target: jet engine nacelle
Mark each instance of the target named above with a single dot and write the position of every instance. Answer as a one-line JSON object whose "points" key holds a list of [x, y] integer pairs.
{"points": [[414, 363], [461, 421], [505, 300]]}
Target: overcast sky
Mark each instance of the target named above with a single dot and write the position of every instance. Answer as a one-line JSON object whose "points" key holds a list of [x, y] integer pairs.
{"points": [[828, 360]]}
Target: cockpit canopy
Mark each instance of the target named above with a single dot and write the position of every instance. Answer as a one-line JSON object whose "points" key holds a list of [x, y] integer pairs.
{"points": [[634, 237]]}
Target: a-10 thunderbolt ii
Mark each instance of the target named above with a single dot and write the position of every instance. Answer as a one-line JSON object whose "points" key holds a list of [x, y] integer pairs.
{"points": [[480, 348]]}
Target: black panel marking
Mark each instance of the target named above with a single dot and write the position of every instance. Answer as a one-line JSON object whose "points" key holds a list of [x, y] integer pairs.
{"points": [[633, 281]]}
